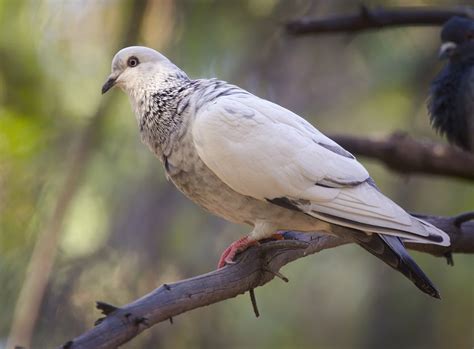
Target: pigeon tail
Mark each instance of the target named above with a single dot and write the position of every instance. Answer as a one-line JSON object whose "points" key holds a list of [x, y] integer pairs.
{"points": [[391, 250]]}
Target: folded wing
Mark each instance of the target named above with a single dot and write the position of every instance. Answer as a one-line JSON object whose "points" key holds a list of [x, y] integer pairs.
{"points": [[265, 151]]}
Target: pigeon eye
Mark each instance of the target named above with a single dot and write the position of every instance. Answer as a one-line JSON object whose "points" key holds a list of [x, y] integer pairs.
{"points": [[133, 61]]}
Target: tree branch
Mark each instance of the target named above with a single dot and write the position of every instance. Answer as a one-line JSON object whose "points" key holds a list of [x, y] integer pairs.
{"points": [[461, 232], [403, 154], [376, 19], [255, 267]]}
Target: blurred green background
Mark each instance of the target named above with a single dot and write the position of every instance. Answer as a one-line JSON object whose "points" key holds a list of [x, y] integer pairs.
{"points": [[75, 177]]}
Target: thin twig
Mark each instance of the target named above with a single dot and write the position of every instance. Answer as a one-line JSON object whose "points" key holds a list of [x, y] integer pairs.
{"points": [[276, 273], [254, 302], [463, 218], [449, 258]]}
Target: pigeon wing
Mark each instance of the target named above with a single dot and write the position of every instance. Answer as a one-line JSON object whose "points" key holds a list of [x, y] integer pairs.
{"points": [[265, 151]]}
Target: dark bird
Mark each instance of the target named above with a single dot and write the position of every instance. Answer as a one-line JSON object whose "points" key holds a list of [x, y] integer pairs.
{"points": [[451, 102]]}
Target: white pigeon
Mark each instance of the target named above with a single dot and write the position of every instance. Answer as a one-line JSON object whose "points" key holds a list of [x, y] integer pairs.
{"points": [[252, 161]]}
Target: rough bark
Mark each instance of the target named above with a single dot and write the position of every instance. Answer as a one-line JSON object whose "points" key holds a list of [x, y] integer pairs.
{"points": [[254, 267]]}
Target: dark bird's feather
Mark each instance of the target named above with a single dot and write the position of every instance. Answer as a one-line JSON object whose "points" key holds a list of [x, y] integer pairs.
{"points": [[451, 111], [391, 250], [451, 101]]}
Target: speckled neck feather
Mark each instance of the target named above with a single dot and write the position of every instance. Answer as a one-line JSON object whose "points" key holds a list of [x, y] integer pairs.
{"points": [[162, 111]]}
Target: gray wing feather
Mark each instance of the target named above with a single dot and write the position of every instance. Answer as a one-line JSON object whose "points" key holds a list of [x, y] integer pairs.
{"points": [[391, 250]]}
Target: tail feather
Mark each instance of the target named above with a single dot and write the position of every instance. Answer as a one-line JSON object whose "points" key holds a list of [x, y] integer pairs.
{"points": [[391, 250]]}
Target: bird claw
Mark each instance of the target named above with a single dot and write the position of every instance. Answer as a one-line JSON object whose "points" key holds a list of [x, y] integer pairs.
{"points": [[236, 247], [229, 261], [227, 257]]}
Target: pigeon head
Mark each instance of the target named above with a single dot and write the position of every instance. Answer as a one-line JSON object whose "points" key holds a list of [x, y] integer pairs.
{"points": [[137, 67], [457, 37]]}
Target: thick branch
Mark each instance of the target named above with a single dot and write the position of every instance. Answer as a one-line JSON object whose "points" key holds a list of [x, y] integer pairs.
{"points": [[403, 154], [255, 267], [376, 19]]}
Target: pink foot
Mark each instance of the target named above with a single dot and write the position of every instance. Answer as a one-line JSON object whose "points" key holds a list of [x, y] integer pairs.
{"points": [[227, 257]]}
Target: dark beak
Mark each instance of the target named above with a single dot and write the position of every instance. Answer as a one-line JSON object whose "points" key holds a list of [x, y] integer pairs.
{"points": [[108, 84], [446, 50]]}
